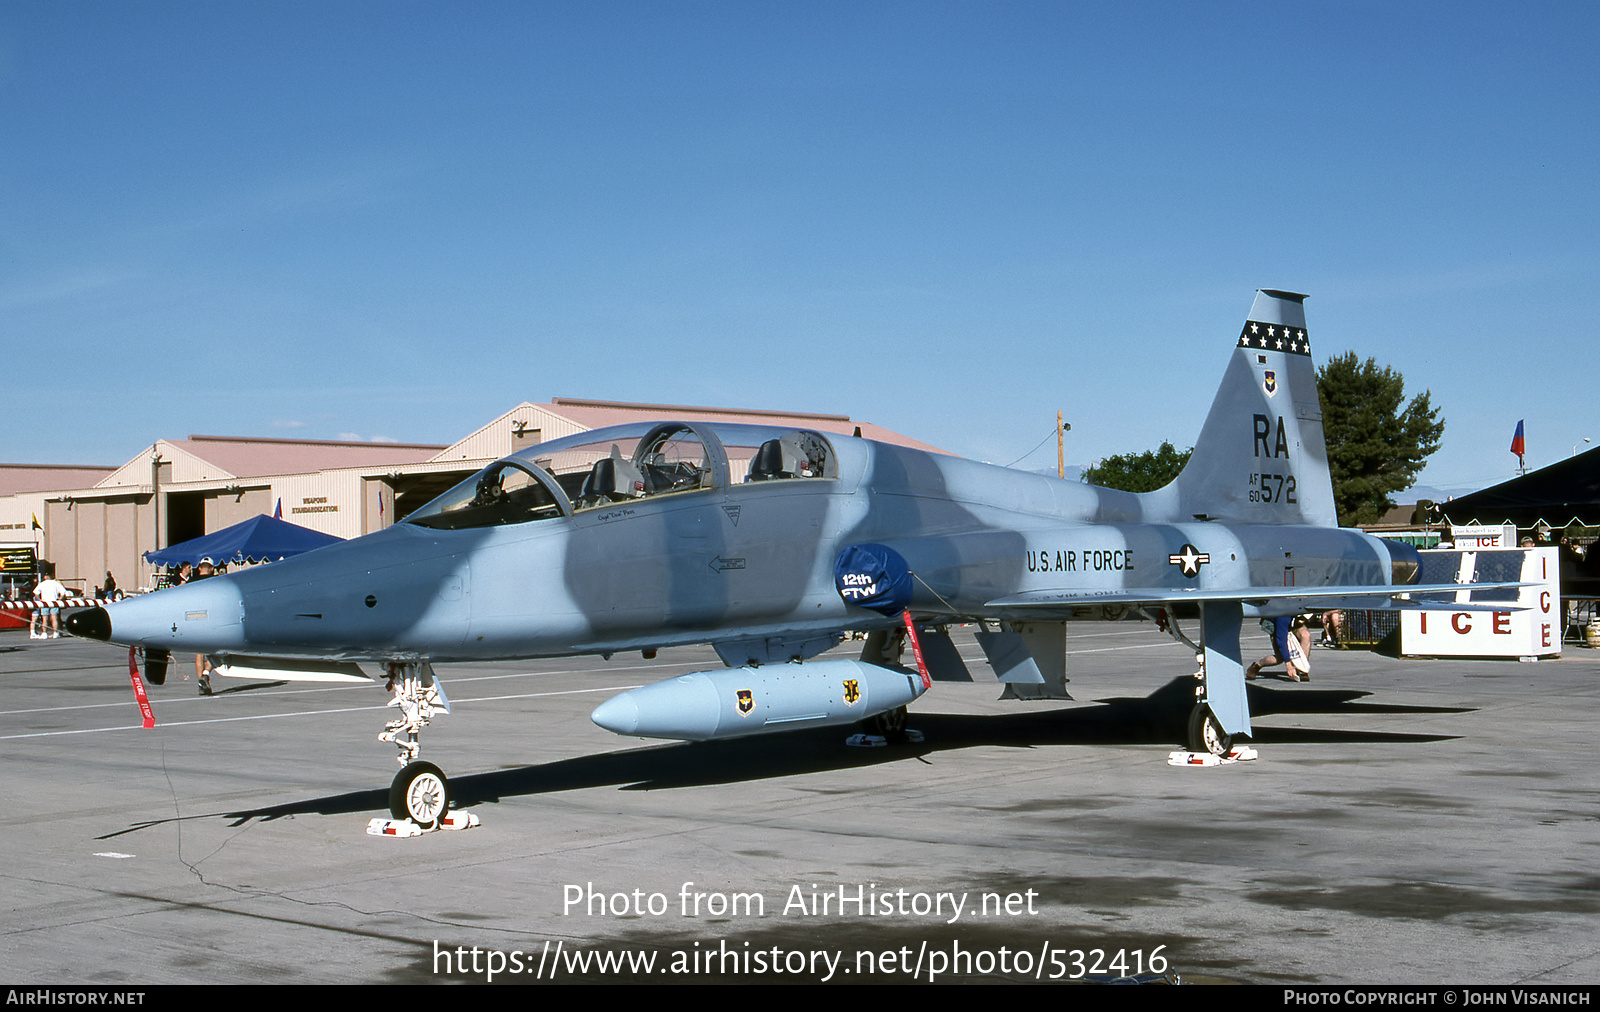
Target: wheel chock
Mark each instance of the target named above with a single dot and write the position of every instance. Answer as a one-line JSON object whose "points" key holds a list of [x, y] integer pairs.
{"points": [[394, 827], [406, 828], [1238, 754]]}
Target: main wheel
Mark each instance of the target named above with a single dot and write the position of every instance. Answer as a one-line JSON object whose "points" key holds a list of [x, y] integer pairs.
{"points": [[420, 793], [1205, 734]]}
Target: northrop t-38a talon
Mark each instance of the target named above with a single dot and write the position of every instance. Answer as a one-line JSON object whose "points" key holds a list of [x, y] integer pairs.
{"points": [[772, 544]]}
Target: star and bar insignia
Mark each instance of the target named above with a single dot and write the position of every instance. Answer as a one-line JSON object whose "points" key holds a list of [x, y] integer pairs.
{"points": [[1189, 559]]}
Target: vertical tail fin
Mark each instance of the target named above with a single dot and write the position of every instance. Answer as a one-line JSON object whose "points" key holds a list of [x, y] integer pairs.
{"points": [[1261, 457]]}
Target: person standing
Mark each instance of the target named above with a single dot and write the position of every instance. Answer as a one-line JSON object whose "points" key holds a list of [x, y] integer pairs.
{"points": [[202, 663], [28, 591], [51, 593]]}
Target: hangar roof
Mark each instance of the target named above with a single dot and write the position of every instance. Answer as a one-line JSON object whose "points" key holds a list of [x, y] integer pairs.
{"points": [[250, 457], [19, 478], [205, 458]]}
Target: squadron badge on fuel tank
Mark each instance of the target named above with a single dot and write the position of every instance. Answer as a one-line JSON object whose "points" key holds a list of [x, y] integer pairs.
{"points": [[747, 701], [852, 691]]}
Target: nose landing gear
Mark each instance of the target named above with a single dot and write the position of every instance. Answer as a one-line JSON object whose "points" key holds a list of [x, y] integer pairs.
{"points": [[419, 797]]}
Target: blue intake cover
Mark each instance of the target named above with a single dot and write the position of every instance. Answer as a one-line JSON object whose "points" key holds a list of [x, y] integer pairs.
{"points": [[873, 576]]}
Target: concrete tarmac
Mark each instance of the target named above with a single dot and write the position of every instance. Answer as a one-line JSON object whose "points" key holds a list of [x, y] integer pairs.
{"points": [[1407, 822]]}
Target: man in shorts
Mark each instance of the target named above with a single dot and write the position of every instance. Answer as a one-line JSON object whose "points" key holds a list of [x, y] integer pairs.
{"points": [[51, 592]]}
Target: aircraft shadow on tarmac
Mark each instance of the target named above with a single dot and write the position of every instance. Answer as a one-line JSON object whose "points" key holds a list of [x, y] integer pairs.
{"points": [[1157, 719]]}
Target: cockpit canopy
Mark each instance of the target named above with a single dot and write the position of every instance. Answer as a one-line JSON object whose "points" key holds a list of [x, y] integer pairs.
{"points": [[623, 463]]}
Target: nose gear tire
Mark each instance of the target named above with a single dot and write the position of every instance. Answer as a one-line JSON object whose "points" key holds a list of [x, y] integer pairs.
{"points": [[420, 793]]}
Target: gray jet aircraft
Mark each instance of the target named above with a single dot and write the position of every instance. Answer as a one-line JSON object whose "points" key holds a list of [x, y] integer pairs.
{"points": [[773, 544]]}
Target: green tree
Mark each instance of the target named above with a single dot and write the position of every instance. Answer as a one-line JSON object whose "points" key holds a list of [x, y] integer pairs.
{"points": [[1377, 442], [1139, 472]]}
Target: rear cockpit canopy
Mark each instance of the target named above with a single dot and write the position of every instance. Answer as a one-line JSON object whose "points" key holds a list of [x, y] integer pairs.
{"points": [[623, 464]]}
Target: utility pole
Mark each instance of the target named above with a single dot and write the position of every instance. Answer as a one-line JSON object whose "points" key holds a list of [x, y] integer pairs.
{"points": [[1062, 428]]}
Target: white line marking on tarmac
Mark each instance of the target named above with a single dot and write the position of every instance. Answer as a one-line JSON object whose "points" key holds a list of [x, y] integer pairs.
{"points": [[453, 680], [302, 713]]}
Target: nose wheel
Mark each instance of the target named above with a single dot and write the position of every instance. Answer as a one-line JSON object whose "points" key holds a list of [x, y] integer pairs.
{"points": [[420, 793]]}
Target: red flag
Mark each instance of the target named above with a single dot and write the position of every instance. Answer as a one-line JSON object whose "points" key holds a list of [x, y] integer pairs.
{"points": [[916, 648], [139, 695]]}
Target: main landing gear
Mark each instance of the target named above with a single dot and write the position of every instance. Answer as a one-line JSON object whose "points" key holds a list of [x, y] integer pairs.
{"points": [[885, 648], [419, 797], [1220, 700], [1206, 734]]}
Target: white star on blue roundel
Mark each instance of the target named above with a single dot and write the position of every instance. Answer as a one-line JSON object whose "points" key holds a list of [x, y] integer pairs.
{"points": [[1189, 559]]}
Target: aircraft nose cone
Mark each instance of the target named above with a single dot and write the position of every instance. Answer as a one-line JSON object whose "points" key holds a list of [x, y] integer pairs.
{"points": [[619, 714], [92, 623], [205, 616]]}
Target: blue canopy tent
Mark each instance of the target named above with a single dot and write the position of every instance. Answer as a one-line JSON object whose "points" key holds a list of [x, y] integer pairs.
{"points": [[259, 539]]}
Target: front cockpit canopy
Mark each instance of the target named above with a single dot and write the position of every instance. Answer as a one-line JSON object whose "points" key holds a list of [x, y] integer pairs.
{"points": [[506, 492]]}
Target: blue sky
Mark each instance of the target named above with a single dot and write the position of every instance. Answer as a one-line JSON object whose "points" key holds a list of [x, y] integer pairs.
{"points": [[396, 220]]}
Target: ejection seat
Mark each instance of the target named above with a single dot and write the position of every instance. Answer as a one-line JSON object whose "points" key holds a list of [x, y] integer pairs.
{"points": [[663, 475], [783, 457], [612, 479]]}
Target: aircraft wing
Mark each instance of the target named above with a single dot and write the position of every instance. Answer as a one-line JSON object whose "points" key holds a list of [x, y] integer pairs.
{"points": [[1263, 598]]}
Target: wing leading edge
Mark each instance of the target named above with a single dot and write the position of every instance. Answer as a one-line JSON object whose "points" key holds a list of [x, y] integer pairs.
{"points": [[1261, 598]]}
